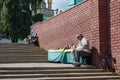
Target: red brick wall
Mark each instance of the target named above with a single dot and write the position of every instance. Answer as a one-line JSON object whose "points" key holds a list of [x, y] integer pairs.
{"points": [[92, 18], [61, 29], [104, 26], [115, 30]]}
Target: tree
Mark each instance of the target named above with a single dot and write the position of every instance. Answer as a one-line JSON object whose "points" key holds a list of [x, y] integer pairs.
{"points": [[37, 17], [16, 17]]}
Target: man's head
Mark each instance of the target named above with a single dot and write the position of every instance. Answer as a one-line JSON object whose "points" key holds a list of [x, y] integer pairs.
{"points": [[79, 36]]}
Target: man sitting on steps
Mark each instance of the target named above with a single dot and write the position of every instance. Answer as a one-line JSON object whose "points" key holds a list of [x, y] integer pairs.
{"points": [[82, 49]]}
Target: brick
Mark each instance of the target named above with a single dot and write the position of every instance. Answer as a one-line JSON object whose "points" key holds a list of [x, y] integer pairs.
{"points": [[115, 43]]}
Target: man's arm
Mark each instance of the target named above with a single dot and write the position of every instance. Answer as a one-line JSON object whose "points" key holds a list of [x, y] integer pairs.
{"points": [[84, 47]]}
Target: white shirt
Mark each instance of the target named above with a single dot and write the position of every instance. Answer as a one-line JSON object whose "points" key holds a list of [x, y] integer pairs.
{"points": [[83, 42]]}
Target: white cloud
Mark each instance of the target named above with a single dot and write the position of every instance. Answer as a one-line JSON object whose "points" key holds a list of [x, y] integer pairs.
{"points": [[59, 4]]}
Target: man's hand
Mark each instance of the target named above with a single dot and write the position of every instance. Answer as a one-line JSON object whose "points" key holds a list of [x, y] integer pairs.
{"points": [[73, 51]]}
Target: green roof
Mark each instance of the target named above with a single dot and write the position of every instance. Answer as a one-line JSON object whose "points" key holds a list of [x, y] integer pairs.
{"points": [[45, 17], [71, 4]]}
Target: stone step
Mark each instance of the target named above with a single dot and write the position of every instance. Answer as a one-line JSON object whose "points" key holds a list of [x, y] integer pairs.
{"points": [[14, 44], [28, 62], [33, 61], [24, 61], [45, 68], [23, 58], [54, 75], [19, 53], [23, 55], [17, 56], [24, 51], [69, 78], [51, 71], [17, 44], [18, 47], [39, 66]]}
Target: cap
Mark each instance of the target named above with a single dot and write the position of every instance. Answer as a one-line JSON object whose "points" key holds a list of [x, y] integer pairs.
{"points": [[78, 35]]}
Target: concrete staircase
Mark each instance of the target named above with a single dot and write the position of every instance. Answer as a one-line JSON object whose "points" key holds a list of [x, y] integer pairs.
{"points": [[27, 62], [21, 53]]}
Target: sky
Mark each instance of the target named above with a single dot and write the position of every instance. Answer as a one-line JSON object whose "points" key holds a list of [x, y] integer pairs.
{"points": [[59, 4]]}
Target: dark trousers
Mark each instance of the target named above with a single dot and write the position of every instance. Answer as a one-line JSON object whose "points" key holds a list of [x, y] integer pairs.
{"points": [[79, 54]]}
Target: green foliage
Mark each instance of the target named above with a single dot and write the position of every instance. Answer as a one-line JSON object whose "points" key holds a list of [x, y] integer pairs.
{"points": [[16, 18], [37, 17], [35, 4]]}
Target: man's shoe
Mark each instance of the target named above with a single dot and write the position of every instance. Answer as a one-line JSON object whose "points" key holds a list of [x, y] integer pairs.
{"points": [[77, 65]]}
